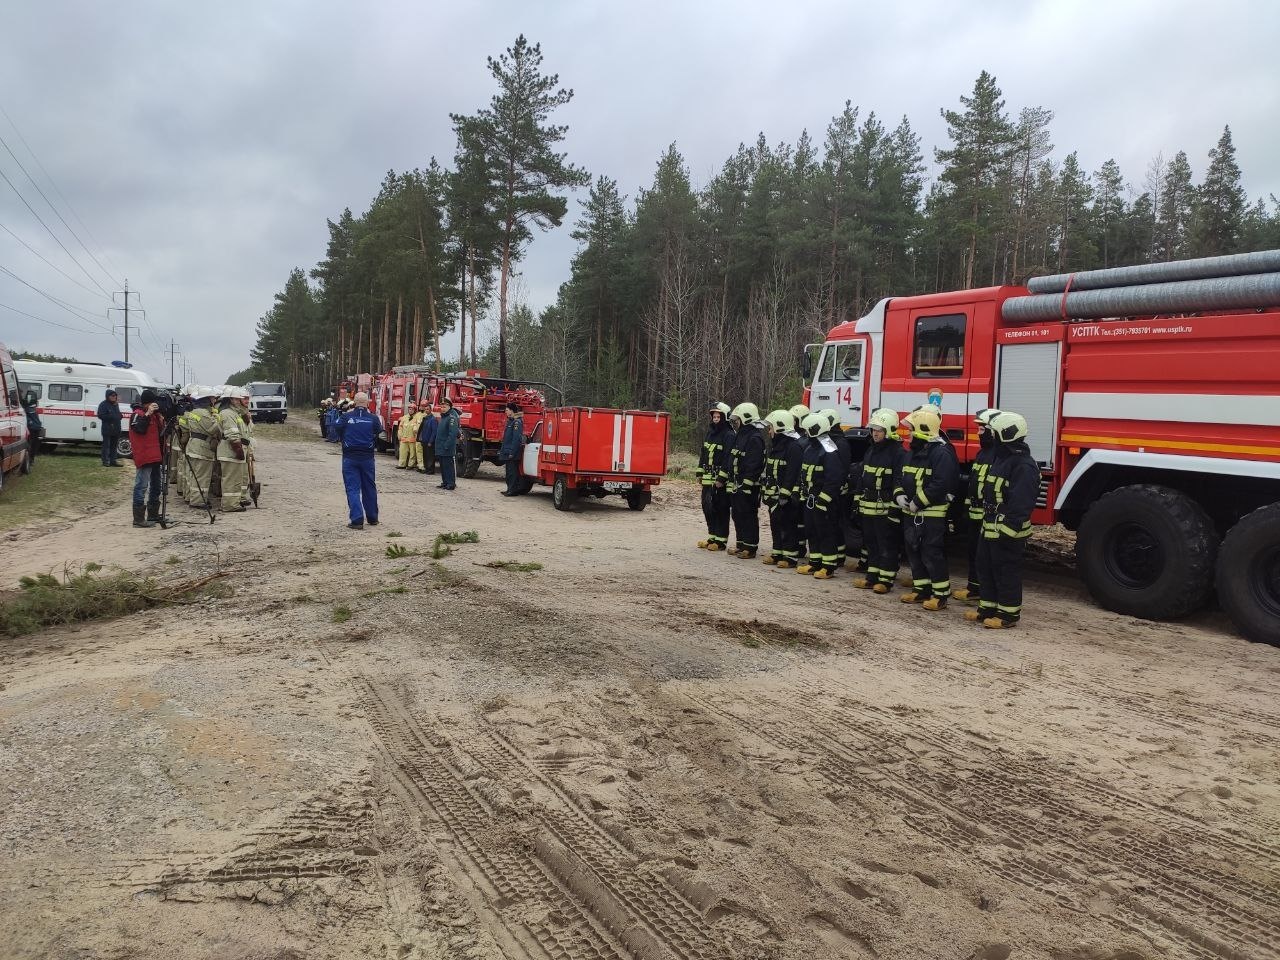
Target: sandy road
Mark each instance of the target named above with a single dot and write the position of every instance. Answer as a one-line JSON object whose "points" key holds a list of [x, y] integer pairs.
{"points": [[640, 751]]}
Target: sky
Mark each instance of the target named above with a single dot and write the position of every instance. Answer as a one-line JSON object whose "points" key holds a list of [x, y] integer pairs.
{"points": [[196, 150]]}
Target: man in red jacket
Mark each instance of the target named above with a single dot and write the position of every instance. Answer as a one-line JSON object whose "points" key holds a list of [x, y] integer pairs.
{"points": [[145, 428]]}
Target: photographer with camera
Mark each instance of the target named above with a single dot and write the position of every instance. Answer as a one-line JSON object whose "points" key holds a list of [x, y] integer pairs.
{"points": [[146, 426]]}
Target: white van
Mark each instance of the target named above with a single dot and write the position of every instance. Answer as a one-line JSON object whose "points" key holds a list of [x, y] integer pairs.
{"points": [[68, 394]]}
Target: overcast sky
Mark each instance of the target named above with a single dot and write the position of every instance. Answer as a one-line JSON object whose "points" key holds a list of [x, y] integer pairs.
{"points": [[202, 146]]}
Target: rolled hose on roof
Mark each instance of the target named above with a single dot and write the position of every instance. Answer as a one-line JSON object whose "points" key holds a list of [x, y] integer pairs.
{"points": [[1188, 296], [1234, 265]]}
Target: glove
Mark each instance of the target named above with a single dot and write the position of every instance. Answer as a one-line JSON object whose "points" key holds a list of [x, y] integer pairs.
{"points": [[902, 501], [238, 449], [915, 507]]}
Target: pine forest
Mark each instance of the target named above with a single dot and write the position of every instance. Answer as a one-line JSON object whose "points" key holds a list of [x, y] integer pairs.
{"points": [[692, 292]]}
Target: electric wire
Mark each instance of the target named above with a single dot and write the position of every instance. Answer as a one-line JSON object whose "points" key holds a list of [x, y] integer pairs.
{"points": [[56, 189], [96, 293], [6, 179], [79, 313], [54, 323], [4, 143]]}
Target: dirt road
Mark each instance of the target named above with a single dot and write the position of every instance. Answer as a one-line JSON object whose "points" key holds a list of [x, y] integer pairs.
{"points": [[640, 751]]}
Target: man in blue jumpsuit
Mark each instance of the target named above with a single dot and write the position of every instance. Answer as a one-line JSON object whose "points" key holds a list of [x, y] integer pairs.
{"points": [[357, 429]]}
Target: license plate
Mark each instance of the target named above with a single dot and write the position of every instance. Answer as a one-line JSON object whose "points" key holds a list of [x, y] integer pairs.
{"points": [[616, 486]]}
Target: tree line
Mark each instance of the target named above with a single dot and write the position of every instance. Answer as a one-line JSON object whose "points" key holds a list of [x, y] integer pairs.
{"points": [[688, 293]]}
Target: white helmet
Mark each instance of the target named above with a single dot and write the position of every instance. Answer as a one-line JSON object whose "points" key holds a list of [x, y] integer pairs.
{"points": [[240, 393], [201, 392], [226, 392]]}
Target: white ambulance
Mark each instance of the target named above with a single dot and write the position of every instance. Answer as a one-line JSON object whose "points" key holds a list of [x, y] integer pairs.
{"points": [[68, 394]]}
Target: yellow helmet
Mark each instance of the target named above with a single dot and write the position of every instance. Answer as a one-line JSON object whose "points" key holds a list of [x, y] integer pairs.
{"points": [[746, 412], [883, 419], [800, 411], [781, 420], [815, 425], [984, 417], [923, 422], [1008, 427]]}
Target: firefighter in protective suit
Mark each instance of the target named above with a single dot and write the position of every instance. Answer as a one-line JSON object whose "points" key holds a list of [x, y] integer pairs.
{"points": [[780, 488], [410, 450], [821, 479], [874, 482], [232, 454], [1009, 495], [926, 487], [973, 502], [847, 538], [713, 473], [800, 411], [202, 446], [746, 467]]}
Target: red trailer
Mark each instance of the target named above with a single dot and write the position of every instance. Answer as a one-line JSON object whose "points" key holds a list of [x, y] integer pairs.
{"points": [[593, 451]]}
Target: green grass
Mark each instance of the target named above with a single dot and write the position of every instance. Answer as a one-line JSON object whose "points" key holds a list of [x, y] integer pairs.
{"points": [[395, 533], [62, 485], [342, 614], [682, 466], [513, 565]]}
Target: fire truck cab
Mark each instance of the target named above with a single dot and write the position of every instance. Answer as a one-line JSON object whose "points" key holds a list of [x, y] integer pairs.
{"points": [[1158, 437]]}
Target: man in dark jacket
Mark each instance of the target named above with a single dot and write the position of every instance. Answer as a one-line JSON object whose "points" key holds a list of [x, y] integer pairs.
{"points": [[511, 450], [924, 493], [145, 429], [358, 431], [713, 472], [1010, 490], [35, 429], [110, 417], [447, 445], [427, 437], [746, 467]]}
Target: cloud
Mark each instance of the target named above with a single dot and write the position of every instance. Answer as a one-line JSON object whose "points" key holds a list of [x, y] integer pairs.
{"points": [[204, 147]]}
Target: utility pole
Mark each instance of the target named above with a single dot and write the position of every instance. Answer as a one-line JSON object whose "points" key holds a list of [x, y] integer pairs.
{"points": [[172, 354], [125, 325]]}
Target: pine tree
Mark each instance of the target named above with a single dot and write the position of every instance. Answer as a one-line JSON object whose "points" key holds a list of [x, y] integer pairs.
{"points": [[1108, 212], [1075, 248], [1173, 210], [1219, 203], [1031, 145], [981, 142], [518, 142]]}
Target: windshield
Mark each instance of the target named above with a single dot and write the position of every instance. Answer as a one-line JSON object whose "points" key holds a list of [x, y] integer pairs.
{"points": [[266, 389]]}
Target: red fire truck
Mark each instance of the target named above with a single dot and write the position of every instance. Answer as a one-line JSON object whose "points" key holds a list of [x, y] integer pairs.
{"points": [[1152, 394], [481, 402]]}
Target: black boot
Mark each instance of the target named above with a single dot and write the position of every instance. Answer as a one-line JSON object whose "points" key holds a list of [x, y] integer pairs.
{"points": [[153, 512], [140, 517]]}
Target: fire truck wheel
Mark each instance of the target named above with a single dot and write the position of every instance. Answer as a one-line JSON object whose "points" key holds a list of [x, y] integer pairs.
{"points": [[639, 499], [1147, 551], [563, 497], [124, 448], [1249, 575], [469, 454]]}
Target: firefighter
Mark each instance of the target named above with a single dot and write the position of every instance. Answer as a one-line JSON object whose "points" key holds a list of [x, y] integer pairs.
{"points": [[232, 453], [779, 488], [847, 540], [250, 451], [746, 467], [407, 433], [1010, 489], [821, 478], [973, 503], [926, 487], [712, 473], [331, 413], [202, 446], [800, 411], [874, 482]]}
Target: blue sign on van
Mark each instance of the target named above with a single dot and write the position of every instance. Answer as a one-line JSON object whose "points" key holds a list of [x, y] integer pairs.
{"points": [[122, 364]]}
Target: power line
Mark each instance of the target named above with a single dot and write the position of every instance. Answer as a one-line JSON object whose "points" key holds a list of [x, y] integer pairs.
{"points": [[78, 312], [49, 262], [52, 234], [53, 323], [53, 183], [4, 143]]}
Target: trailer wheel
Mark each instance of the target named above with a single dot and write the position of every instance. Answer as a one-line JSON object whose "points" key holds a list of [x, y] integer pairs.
{"points": [[563, 497], [123, 447], [639, 499], [470, 453], [1248, 578], [1147, 551]]}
